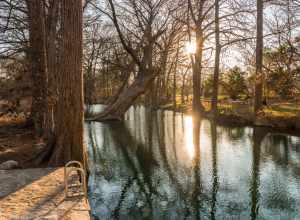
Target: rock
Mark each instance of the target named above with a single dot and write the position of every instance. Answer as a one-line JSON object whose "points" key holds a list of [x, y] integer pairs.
{"points": [[8, 165]]}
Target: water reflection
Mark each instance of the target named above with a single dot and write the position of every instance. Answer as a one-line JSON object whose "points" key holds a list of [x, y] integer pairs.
{"points": [[164, 165], [258, 136], [215, 178], [188, 136]]}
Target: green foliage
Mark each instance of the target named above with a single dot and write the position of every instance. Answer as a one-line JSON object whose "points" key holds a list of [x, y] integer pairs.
{"points": [[281, 83], [208, 86], [282, 70], [234, 83]]}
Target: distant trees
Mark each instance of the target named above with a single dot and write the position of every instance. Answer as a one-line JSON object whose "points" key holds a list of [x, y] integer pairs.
{"points": [[138, 54], [234, 83], [13, 29], [215, 31], [282, 70], [14, 53], [199, 13]]}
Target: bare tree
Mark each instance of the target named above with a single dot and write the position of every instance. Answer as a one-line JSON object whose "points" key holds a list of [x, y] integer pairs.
{"points": [[217, 61], [258, 100], [147, 17]]}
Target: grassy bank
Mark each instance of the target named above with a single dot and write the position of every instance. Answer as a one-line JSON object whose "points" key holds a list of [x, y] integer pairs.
{"points": [[279, 115]]}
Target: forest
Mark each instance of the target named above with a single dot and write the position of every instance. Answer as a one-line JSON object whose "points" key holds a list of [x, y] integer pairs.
{"points": [[232, 63]]}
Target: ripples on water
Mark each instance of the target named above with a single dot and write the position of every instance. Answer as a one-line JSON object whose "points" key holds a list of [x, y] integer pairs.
{"points": [[165, 165]]}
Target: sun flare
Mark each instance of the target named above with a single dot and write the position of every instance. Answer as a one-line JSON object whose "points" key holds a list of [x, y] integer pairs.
{"points": [[191, 47]]}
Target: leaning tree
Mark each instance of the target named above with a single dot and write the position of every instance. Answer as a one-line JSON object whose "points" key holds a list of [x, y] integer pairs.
{"points": [[139, 25]]}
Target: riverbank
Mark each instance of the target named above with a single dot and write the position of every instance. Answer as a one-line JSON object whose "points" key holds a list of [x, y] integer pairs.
{"points": [[17, 141], [281, 117], [38, 194], [28, 191]]}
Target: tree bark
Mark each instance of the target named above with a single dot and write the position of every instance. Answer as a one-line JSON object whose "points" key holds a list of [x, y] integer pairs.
{"points": [[38, 63], [217, 61], [51, 51], [197, 72], [174, 78], [117, 110], [183, 90], [69, 136], [259, 59]]}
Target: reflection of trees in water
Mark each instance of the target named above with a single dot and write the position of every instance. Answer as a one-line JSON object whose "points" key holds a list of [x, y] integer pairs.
{"points": [[123, 139], [283, 151], [215, 178], [91, 138], [234, 134], [97, 157], [116, 212], [174, 134], [192, 202], [145, 146], [258, 136], [144, 154], [197, 189], [141, 168], [160, 129], [274, 148]]}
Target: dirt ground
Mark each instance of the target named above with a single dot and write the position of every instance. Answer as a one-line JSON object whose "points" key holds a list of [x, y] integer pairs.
{"points": [[17, 141]]}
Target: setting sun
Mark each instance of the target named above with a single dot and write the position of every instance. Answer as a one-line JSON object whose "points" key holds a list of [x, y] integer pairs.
{"points": [[190, 47]]}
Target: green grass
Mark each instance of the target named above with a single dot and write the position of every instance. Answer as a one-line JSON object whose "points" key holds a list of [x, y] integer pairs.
{"points": [[275, 110], [278, 109], [283, 110]]}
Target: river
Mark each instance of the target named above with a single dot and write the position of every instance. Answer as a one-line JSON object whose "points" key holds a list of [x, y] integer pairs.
{"points": [[166, 165]]}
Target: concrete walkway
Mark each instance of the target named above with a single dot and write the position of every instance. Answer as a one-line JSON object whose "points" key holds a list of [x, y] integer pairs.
{"points": [[38, 194]]}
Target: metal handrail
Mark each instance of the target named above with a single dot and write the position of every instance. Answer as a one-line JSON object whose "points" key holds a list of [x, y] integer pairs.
{"points": [[68, 170]]}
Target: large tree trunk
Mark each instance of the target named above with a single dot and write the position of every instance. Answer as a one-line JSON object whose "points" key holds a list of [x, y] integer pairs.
{"points": [[126, 76], [144, 80], [117, 110], [69, 136], [51, 43], [38, 62], [197, 72], [217, 62], [183, 90], [259, 59], [174, 78]]}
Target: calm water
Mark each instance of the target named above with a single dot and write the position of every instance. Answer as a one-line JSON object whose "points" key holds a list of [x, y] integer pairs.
{"points": [[162, 165]]}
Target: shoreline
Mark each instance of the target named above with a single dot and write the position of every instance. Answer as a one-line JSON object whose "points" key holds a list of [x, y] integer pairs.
{"points": [[280, 124], [289, 125]]}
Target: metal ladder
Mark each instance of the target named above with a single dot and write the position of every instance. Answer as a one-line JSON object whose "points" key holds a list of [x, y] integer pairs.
{"points": [[75, 169]]}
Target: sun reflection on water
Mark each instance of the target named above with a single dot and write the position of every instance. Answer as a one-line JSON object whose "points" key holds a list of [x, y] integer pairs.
{"points": [[188, 136]]}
